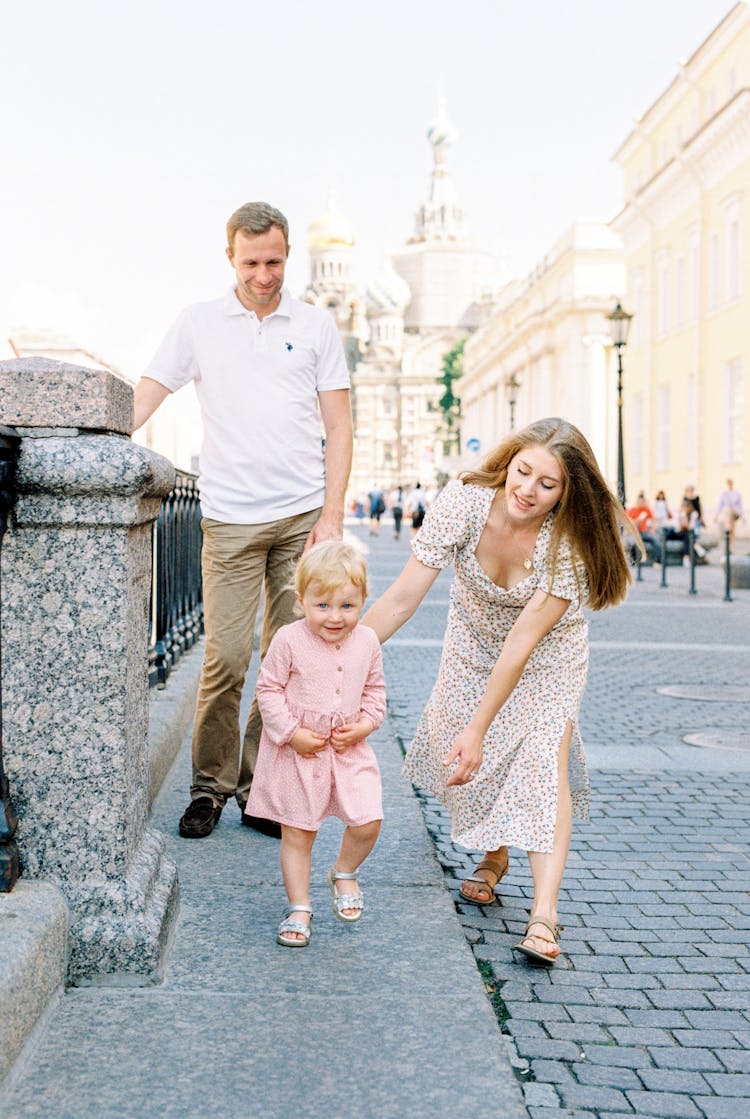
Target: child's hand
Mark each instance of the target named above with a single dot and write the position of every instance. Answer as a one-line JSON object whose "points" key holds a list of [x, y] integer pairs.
{"points": [[307, 743], [350, 734]]}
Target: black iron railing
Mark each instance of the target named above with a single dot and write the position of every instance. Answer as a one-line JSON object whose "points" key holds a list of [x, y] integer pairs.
{"points": [[177, 590], [9, 444]]}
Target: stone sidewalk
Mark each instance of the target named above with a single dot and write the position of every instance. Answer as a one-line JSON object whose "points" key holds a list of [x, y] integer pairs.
{"points": [[387, 1019], [648, 1011], [645, 1015]]}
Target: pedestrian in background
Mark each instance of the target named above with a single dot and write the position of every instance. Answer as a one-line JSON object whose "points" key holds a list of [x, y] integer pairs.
{"points": [[662, 512], [266, 369], [533, 536], [377, 508], [729, 510], [415, 506], [321, 693], [397, 510]]}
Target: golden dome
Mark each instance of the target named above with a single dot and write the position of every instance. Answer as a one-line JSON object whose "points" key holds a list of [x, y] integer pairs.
{"points": [[331, 229]]}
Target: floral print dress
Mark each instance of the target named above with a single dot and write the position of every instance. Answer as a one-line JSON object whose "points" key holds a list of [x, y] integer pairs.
{"points": [[513, 800]]}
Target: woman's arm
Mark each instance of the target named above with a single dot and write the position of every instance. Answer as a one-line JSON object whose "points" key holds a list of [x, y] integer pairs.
{"points": [[535, 621], [396, 605]]}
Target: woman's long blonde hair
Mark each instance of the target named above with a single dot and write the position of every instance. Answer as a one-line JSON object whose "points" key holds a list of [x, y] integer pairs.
{"points": [[588, 513]]}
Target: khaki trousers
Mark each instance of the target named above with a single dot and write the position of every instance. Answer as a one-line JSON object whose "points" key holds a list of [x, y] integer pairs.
{"points": [[237, 562]]}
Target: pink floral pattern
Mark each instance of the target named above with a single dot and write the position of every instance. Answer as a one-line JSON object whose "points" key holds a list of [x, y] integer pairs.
{"points": [[513, 800]]}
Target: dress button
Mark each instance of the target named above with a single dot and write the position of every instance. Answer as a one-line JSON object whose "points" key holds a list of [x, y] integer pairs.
{"points": [[339, 668], [338, 646], [338, 691]]}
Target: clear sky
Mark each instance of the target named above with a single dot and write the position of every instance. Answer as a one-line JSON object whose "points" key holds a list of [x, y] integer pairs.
{"points": [[130, 132]]}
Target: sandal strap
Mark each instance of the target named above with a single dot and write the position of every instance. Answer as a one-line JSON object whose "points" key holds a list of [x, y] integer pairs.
{"points": [[350, 901], [554, 929], [344, 875], [495, 866], [479, 881], [298, 909], [294, 926]]}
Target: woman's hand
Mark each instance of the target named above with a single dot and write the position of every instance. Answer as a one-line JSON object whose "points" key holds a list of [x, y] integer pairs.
{"points": [[350, 734], [467, 752], [307, 743]]}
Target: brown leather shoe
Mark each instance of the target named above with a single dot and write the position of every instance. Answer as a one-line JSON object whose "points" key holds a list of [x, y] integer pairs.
{"points": [[200, 818], [267, 827]]}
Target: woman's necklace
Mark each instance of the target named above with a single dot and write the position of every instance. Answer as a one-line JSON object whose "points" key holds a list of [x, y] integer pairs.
{"points": [[527, 563]]}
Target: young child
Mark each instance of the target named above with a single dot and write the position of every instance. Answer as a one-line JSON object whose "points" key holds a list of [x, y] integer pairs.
{"points": [[321, 692]]}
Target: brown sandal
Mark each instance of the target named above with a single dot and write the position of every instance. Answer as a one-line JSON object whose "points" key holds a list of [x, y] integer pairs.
{"points": [[494, 866], [539, 957]]}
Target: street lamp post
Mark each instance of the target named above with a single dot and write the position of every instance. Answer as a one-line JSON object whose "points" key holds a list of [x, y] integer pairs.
{"points": [[512, 385], [620, 321]]}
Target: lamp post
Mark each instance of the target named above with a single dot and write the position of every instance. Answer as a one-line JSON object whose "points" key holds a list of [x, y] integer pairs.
{"points": [[620, 321], [512, 385]]}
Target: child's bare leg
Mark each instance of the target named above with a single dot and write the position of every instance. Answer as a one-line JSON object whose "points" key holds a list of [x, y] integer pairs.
{"points": [[356, 845], [296, 859]]}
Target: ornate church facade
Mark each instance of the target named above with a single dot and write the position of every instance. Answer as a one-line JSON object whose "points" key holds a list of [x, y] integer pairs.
{"points": [[425, 298]]}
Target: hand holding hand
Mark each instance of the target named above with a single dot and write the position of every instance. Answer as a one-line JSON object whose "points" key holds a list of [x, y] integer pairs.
{"points": [[307, 743], [467, 752], [350, 734]]}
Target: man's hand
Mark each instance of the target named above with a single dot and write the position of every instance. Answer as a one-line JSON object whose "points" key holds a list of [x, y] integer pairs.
{"points": [[350, 734], [329, 526], [307, 743]]}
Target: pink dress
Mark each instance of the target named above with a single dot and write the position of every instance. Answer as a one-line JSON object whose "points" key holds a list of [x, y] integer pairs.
{"points": [[306, 682]]}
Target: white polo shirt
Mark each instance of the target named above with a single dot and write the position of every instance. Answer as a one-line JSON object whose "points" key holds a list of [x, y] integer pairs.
{"points": [[257, 382]]}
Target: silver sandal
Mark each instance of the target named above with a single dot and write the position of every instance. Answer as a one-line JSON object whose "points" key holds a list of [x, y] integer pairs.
{"points": [[289, 925], [345, 901]]}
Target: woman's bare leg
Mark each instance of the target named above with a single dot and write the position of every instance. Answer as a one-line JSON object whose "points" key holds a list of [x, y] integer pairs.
{"points": [[547, 869]]}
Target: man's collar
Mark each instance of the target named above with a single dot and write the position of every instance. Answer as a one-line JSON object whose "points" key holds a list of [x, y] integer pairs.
{"points": [[232, 305]]}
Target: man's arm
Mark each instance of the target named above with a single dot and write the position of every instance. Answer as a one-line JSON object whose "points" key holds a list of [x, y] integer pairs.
{"points": [[336, 411], [148, 395]]}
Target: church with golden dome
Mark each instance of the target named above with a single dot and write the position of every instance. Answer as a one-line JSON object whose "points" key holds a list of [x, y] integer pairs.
{"points": [[423, 300]]}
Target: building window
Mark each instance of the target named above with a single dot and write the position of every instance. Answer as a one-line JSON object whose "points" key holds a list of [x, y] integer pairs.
{"points": [[694, 277], [663, 280], [691, 423], [636, 289], [637, 431], [733, 253], [679, 291], [733, 408], [713, 272], [662, 427]]}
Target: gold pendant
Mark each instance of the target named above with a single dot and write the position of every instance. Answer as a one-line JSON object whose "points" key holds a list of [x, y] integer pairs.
{"points": [[527, 564]]}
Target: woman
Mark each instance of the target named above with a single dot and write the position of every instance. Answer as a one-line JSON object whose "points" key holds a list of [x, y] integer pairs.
{"points": [[533, 535]]}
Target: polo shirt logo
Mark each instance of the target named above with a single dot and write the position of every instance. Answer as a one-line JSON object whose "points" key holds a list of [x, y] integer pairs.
{"points": [[288, 345]]}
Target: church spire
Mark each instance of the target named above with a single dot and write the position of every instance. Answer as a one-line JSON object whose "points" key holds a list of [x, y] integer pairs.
{"points": [[440, 218]]}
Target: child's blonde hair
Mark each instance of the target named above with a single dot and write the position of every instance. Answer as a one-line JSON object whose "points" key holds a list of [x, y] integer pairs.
{"points": [[328, 565]]}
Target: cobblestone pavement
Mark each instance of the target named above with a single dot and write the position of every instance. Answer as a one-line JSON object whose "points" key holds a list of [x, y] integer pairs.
{"points": [[647, 1013]]}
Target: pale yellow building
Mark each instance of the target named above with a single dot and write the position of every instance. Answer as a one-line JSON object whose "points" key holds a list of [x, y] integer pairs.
{"points": [[546, 350], [685, 227]]}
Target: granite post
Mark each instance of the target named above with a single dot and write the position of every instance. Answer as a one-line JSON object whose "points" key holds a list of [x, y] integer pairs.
{"points": [[76, 577]]}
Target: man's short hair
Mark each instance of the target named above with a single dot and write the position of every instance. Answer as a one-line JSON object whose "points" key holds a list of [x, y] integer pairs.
{"points": [[254, 218]]}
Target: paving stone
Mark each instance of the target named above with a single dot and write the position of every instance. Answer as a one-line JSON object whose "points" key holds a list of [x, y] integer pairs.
{"points": [[618, 1056], [727, 1107], [668, 1019], [730, 1084], [674, 1080], [716, 1019], [640, 1035], [736, 1060], [540, 1095], [678, 1058], [549, 1049], [585, 1096], [607, 1075], [666, 1105]]}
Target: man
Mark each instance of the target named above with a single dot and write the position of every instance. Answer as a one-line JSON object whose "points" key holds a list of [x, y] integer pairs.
{"points": [[263, 363]]}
